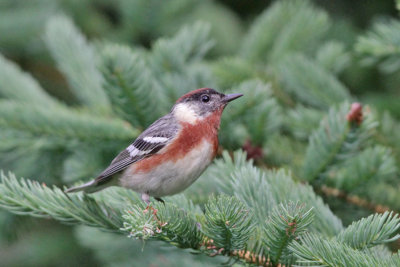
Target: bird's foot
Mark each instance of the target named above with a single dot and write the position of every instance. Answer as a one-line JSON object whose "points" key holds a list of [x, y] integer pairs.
{"points": [[146, 198]]}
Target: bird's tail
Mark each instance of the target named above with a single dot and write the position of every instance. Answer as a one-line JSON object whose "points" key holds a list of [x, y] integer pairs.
{"points": [[89, 187]]}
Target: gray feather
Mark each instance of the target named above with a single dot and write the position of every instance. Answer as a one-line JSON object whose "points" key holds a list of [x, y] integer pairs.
{"points": [[160, 133]]}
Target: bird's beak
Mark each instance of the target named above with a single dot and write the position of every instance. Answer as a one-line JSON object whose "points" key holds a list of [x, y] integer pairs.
{"points": [[230, 97]]}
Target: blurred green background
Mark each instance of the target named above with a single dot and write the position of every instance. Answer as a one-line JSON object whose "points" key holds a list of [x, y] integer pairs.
{"points": [[26, 241]]}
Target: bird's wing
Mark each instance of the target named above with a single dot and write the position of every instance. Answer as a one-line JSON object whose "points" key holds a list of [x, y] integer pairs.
{"points": [[154, 138]]}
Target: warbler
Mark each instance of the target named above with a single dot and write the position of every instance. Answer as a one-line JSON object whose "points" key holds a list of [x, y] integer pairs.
{"points": [[172, 152]]}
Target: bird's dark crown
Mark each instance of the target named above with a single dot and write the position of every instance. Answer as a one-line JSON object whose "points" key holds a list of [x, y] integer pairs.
{"points": [[195, 94]]}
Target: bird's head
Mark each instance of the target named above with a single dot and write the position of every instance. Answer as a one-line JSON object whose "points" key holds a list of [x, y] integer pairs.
{"points": [[201, 103]]}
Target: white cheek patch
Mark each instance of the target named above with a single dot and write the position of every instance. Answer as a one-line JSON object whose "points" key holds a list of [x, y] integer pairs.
{"points": [[184, 113], [150, 139]]}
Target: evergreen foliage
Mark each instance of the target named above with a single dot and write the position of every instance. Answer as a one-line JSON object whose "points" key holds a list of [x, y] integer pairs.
{"points": [[284, 224], [381, 45], [128, 85], [228, 223], [318, 251], [371, 231], [372, 162], [63, 123], [333, 57], [287, 26], [77, 61], [29, 197], [305, 79], [20, 86], [335, 141], [293, 136]]}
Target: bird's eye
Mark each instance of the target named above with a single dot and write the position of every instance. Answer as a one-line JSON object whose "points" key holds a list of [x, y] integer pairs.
{"points": [[205, 98]]}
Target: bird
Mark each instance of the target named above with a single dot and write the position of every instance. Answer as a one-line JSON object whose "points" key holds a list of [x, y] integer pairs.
{"points": [[172, 152]]}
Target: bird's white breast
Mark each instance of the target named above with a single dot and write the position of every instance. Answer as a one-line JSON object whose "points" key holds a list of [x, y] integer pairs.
{"points": [[170, 177]]}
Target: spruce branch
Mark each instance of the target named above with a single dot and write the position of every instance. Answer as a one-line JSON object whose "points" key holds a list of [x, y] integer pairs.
{"points": [[395, 258], [284, 224], [338, 156], [317, 251], [178, 225], [227, 227], [380, 251], [189, 45], [353, 199], [26, 197], [63, 123], [21, 26], [262, 190], [335, 140], [311, 84], [252, 258], [20, 86], [160, 19], [333, 57], [286, 26], [77, 60], [228, 222], [253, 192], [223, 230], [170, 222], [230, 71], [82, 163], [381, 44], [265, 28], [32, 155], [302, 120], [284, 150], [374, 230], [370, 165], [386, 194], [133, 90], [303, 31]]}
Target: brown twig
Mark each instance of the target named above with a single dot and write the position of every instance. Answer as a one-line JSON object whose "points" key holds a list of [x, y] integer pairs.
{"points": [[244, 255], [253, 258], [355, 200]]}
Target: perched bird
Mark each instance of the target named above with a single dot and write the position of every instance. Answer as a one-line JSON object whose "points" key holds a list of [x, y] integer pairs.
{"points": [[172, 152]]}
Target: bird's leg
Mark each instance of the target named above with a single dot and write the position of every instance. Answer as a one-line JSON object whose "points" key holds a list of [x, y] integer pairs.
{"points": [[159, 199], [146, 198]]}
